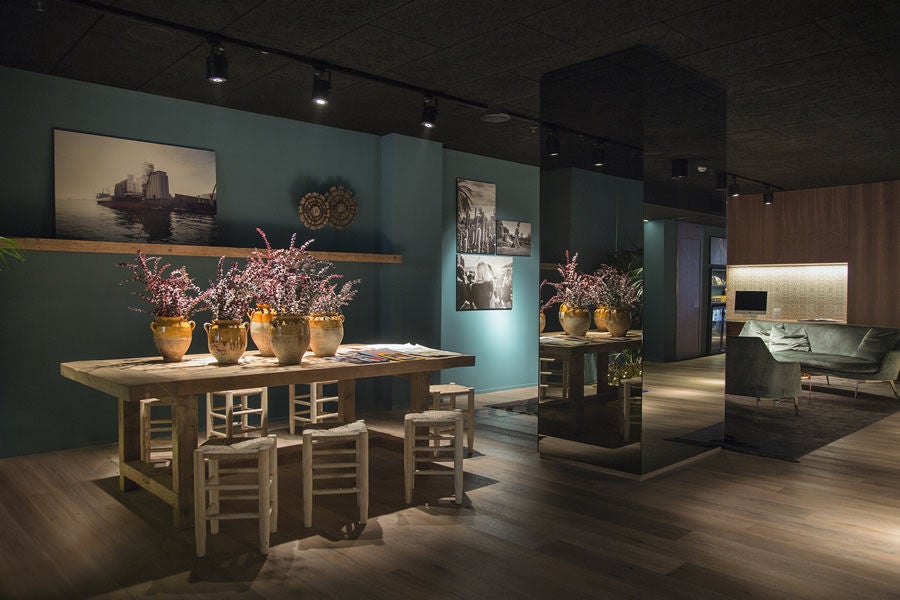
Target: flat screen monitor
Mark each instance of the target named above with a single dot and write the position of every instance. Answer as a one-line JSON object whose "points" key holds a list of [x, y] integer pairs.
{"points": [[750, 303]]}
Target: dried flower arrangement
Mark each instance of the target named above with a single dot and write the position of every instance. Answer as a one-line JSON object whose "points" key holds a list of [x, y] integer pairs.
{"points": [[576, 290], [330, 299], [616, 288], [284, 278], [172, 295], [229, 296]]}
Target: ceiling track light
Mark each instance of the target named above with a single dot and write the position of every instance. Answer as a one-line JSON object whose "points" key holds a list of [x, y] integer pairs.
{"points": [[598, 154], [553, 142], [216, 63], [321, 86], [769, 196], [734, 190], [679, 168], [429, 112]]}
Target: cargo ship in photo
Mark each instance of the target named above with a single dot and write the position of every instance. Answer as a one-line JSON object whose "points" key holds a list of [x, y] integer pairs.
{"points": [[152, 193]]}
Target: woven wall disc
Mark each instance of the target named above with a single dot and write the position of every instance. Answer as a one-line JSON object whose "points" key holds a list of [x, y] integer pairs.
{"points": [[313, 210], [341, 207]]}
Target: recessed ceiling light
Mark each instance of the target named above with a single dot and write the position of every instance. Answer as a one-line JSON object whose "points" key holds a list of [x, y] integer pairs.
{"points": [[495, 117]]}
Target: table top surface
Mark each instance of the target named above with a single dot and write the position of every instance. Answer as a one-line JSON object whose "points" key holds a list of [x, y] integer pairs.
{"points": [[594, 341], [151, 377]]}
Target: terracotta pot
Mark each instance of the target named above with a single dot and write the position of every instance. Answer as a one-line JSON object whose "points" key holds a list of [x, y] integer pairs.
{"points": [[290, 338], [261, 328], [600, 317], [172, 336], [618, 321], [574, 321], [325, 333], [543, 321], [227, 340]]}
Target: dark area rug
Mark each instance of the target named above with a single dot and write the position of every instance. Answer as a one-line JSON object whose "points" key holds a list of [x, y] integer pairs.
{"points": [[778, 433], [522, 407]]}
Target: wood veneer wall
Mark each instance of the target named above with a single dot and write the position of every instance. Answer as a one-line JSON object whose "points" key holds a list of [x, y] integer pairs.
{"points": [[856, 224]]}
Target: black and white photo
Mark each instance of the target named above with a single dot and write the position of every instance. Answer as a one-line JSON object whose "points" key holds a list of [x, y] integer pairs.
{"points": [[514, 238], [476, 217], [120, 190], [483, 282]]}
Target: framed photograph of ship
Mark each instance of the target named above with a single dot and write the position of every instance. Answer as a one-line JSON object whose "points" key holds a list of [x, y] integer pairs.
{"points": [[476, 217], [484, 282], [514, 238], [120, 190]]}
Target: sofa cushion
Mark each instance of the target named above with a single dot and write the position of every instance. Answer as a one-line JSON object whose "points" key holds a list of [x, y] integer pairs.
{"points": [[827, 362], [875, 344], [781, 340], [756, 329]]}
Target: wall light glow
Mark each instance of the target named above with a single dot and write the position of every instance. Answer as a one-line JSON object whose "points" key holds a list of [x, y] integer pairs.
{"points": [[813, 291]]}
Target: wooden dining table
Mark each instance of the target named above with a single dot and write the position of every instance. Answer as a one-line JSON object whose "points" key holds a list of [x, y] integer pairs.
{"points": [[178, 384]]}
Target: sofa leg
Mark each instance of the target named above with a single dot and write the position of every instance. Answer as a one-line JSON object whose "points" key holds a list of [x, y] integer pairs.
{"points": [[894, 387], [756, 410], [856, 392], [796, 406]]}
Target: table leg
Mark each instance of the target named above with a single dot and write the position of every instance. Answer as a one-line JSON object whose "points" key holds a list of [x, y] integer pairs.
{"points": [[184, 442], [129, 439], [347, 400], [576, 390], [418, 390]]}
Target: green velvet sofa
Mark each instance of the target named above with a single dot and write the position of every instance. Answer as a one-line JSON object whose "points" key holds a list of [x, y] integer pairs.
{"points": [[836, 349]]}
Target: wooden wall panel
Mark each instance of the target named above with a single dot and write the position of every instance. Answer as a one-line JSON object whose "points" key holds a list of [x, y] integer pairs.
{"points": [[873, 295], [803, 226], [857, 224]]}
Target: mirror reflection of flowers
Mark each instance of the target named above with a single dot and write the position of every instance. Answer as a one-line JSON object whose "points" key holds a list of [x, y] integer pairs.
{"points": [[229, 296], [172, 295], [617, 288], [575, 290]]}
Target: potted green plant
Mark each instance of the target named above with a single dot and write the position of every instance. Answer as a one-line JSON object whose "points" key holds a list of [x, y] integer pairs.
{"points": [[574, 293], [173, 298], [228, 300]]}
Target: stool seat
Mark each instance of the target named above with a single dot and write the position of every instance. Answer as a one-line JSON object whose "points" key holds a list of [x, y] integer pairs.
{"points": [[325, 458], [444, 436], [215, 484]]}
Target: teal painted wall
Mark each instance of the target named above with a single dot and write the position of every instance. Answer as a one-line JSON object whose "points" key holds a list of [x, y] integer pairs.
{"points": [[659, 289], [505, 342]]}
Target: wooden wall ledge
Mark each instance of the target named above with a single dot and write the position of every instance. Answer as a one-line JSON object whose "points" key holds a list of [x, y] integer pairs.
{"points": [[55, 245]]}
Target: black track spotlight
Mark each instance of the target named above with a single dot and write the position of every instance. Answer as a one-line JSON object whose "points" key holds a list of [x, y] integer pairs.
{"points": [[734, 190], [321, 85], [598, 154], [769, 196], [216, 63], [721, 181], [553, 142], [679, 168], [429, 112]]}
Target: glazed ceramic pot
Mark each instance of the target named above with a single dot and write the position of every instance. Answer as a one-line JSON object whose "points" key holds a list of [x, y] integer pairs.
{"points": [[172, 336], [600, 317], [618, 321], [574, 321], [290, 338], [543, 322], [227, 340], [325, 333], [261, 329]]}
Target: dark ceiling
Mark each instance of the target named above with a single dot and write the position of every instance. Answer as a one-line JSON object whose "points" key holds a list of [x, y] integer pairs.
{"points": [[813, 86]]}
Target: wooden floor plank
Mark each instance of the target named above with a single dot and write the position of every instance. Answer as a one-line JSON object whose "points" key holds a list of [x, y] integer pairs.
{"points": [[728, 526]]}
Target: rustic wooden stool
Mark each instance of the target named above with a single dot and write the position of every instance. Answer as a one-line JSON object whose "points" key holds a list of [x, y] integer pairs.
{"points": [[438, 441], [232, 417], [151, 444], [443, 397], [325, 456], [309, 407], [215, 484]]}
